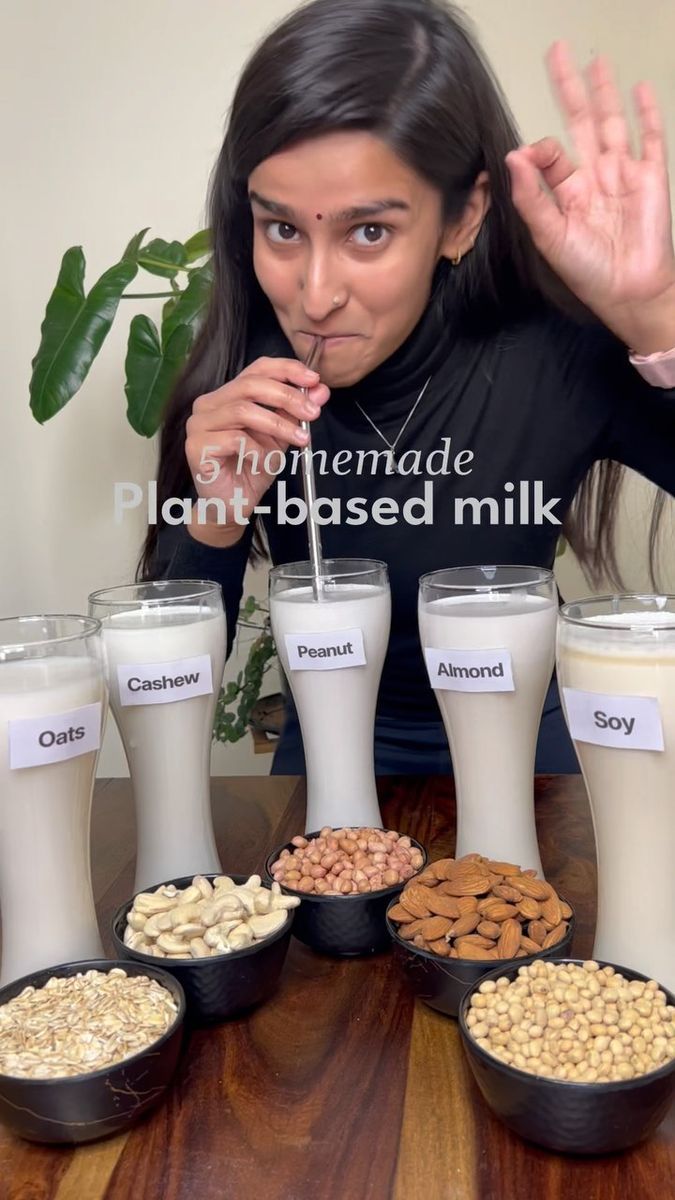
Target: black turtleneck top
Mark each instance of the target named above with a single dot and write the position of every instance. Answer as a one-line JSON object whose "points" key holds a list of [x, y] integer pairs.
{"points": [[536, 404]]}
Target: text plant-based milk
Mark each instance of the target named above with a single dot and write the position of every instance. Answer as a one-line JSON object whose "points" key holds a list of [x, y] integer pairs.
{"points": [[631, 790], [493, 734], [335, 702], [166, 730], [46, 896]]}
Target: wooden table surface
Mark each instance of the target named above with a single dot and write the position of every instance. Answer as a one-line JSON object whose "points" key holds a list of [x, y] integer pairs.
{"points": [[341, 1087]]}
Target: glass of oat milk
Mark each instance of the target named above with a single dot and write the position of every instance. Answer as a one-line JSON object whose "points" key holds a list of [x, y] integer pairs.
{"points": [[53, 704], [165, 646], [332, 648], [488, 636], [616, 667]]}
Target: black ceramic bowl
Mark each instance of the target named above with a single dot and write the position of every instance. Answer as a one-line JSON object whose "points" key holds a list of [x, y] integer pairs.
{"points": [[442, 982], [342, 925], [222, 986], [81, 1108], [570, 1118]]}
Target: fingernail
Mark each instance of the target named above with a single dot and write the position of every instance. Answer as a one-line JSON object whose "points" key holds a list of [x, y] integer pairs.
{"points": [[311, 374]]}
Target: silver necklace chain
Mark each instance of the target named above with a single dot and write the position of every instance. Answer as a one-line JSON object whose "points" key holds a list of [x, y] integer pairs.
{"points": [[391, 446]]}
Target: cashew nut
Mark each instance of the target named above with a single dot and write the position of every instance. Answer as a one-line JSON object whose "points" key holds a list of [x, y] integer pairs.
{"points": [[171, 944]]}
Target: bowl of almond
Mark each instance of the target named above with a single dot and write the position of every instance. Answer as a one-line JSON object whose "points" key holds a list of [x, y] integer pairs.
{"points": [[461, 918]]}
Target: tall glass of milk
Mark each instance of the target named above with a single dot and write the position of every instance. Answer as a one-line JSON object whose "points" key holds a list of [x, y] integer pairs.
{"points": [[165, 646], [488, 636], [53, 705], [616, 667], [332, 650]]}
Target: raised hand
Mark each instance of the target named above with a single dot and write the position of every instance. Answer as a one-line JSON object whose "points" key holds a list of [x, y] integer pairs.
{"points": [[603, 224]]}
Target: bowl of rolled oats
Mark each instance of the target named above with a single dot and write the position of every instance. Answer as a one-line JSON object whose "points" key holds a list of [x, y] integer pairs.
{"points": [[87, 1048]]}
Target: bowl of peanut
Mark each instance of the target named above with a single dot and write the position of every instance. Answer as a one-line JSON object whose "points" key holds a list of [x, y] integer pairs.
{"points": [[345, 879], [576, 1056], [458, 918], [87, 1048], [223, 937]]}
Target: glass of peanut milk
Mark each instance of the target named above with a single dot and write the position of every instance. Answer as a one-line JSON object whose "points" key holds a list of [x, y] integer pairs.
{"points": [[53, 706], [165, 646], [331, 646], [488, 636], [616, 667]]}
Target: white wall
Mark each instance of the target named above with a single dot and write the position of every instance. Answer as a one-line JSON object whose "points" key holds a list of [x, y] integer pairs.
{"points": [[112, 117]]}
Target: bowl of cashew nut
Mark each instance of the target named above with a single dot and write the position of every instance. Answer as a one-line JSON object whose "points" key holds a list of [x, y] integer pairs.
{"points": [[223, 937]]}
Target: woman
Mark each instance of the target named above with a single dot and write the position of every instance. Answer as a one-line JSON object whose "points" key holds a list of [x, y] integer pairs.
{"points": [[476, 296]]}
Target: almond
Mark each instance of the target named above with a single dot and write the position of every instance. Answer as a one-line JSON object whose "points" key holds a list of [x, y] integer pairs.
{"points": [[505, 892], [473, 939], [409, 931], [443, 906], [441, 948], [556, 935], [509, 939], [497, 910], [419, 941], [529, 908], [398, 913], [467, 884], [528, 944], [502, 868], [565, 910], [427, 880], [464, 925], [537, 931], [414, 899], [434, 928], [467, 904], [535, 888], [469, 950], [489, 929], [551, 911]]}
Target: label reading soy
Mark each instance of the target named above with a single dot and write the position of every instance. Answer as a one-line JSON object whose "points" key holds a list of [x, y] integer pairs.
{"points": [[470, 670], [622, 722], [164, 682], [325, 651], [38, 741]]}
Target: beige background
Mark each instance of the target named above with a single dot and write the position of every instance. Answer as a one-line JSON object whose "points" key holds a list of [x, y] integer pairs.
{"points": [[112, 118]]}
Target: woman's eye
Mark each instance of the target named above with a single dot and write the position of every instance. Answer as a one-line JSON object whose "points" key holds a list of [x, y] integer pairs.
{"points": [[285, 233], [373, 235]]}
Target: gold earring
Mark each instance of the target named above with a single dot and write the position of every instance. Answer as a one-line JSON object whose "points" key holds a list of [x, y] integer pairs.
{"points": [[457, 259], [336, 301]]}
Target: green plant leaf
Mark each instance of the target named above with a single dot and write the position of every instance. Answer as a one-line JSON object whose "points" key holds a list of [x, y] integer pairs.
{"points": [[162, 258], [198, 246], [74, 328], [151, 372], [189, 308], [131, 252]]}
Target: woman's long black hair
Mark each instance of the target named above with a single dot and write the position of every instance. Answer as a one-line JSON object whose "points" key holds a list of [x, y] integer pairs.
{"points": [[411, 73]]}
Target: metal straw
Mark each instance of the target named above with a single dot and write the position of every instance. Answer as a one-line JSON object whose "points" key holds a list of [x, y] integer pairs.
{"points": [[313, 529]]}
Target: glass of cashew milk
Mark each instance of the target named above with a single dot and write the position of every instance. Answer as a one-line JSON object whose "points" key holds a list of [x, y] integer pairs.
{"points": [[616, 667], [53, 705], [331, 636], [488, 637], [165, 648]]}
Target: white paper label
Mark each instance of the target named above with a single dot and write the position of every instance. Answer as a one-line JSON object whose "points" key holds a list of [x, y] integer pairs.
{"points": [[325, 651], [164, 682], [470, 670], [622, 722], [37, 741]]}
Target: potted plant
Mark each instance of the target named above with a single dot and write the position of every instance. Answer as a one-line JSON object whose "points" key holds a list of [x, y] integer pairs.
{"points": [[75, 326]]}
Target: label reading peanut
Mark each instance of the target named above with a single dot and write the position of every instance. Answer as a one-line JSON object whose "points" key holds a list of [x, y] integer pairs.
{"points": [[622, 722], [325, 651]]}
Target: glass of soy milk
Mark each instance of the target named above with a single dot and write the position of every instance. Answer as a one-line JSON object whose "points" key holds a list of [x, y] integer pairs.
{"points": [[165, 646], [53, 704], [488, 636], [616, 667], [331, 643]]}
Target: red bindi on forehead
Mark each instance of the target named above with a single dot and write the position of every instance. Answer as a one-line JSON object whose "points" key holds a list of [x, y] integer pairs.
{"points": [[319, 216]]}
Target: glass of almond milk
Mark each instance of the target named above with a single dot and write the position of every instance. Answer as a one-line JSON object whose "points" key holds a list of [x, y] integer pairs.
{"points": [[165, 646], [53, 705], [616, 667], [488, 637], [332, 648]]}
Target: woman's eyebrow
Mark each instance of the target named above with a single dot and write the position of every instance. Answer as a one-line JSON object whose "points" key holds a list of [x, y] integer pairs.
{"points": [[348, 214]]}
